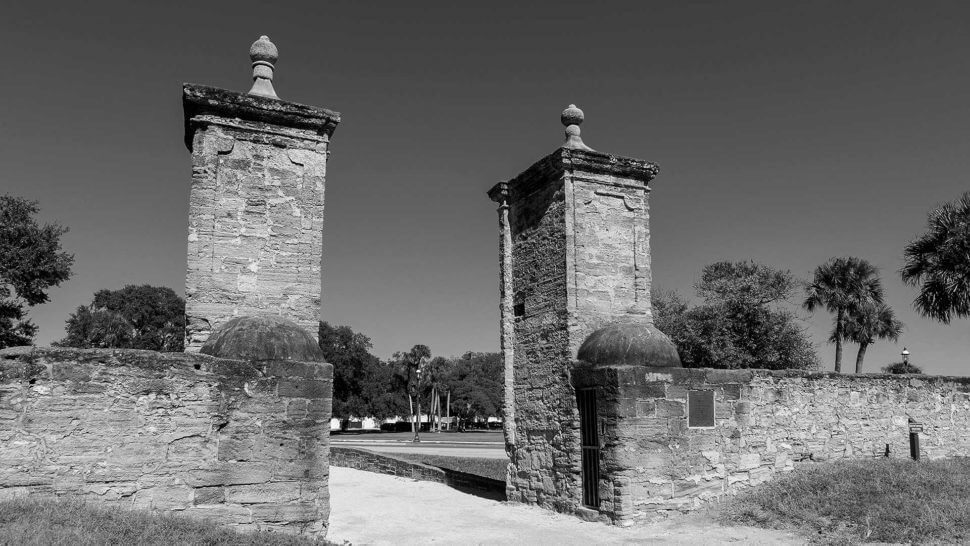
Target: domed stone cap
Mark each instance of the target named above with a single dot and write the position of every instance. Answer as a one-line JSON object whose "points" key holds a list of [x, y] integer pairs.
{"points": [[264, 50], [629, 343], [571, 116], [262, 338]]}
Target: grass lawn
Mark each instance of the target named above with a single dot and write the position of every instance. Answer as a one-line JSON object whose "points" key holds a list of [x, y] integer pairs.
{"points": [[489, 468], [877, 500], [72, 522]]}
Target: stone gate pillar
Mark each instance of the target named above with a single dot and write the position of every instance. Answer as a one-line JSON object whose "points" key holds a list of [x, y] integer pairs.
{"points": [[576, 259], [256, 205]]}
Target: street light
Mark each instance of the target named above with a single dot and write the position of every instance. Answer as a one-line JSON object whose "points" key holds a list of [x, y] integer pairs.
{"points": [[905, 354], [417, 400]]}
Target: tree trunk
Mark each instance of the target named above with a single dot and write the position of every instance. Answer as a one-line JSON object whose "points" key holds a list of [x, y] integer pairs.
{"points": [[448, 410], [838, 341], [417, 419], [437, 409], [436, 423], [860, 356], [431, 410]]}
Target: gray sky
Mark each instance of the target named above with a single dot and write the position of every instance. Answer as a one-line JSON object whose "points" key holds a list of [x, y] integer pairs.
{"points": [[786, 133]]}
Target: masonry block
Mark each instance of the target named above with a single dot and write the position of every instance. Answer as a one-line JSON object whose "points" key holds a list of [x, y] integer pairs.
{"points": [[201, 449], [255, 238]]}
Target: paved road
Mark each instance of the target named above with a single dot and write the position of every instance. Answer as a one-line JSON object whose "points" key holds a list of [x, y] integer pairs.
{"points": [[486, 445], [477, 437], [368, 508]]}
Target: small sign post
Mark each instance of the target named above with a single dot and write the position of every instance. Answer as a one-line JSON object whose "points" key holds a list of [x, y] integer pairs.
{"points": [[914, 429]]}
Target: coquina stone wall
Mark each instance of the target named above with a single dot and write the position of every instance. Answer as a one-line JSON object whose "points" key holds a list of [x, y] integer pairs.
{"points": [[544, 436], [383, 463], [243, 444], [255, 241], [579, 258], [764, 423]]}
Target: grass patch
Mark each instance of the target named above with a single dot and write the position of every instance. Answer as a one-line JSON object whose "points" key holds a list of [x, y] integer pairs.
{"points": [[876, 500], [74, 522], [489, 468]]}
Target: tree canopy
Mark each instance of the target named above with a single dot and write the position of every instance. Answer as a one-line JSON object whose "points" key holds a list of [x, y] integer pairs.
{"points": [[741, 323], [864, 325], [366, 386], [938, 262], [476, 383], [31, 262], [353, 368], [134, 317], [842, 285]]}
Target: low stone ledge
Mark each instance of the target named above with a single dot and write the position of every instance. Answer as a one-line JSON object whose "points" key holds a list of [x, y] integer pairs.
{"points": [[380, 463]]}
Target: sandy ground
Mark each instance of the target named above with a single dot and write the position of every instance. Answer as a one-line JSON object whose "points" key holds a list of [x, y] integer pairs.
{"points": [[369, 508]]}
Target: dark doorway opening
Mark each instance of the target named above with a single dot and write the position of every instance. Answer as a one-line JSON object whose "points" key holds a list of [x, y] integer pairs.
{"points": [[589, 438]]}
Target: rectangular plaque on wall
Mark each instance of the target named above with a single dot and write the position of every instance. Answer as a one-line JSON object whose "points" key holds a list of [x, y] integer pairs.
{"points": [[700, 408]]}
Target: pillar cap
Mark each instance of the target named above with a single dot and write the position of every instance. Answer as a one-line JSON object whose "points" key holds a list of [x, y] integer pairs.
{"points": [[263, 54], [264, 50], [199, 101], [571, 117]]}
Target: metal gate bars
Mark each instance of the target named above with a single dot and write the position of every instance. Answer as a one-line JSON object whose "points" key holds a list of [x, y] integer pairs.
{"points": [[589, 438]]}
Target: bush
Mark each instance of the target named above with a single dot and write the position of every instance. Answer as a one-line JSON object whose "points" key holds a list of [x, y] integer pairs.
{"points": [[397, 426], [901, 368]]}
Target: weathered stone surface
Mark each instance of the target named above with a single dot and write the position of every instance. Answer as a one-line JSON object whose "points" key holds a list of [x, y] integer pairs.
{"points": [[575, 257], [576, 262], [262, 338], [766, 423], [167, 431], [625, 343], [255, 241]]}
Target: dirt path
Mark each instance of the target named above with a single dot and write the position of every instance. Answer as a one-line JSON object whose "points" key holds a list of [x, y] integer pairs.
{"points": [[368, 508]]}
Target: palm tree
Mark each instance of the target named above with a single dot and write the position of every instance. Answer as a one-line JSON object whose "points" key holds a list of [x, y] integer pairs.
{"points": [[408, 367], [939, 262], [869, 323], [842, 284]]}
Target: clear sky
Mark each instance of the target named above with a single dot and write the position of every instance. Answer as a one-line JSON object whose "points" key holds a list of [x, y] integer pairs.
{"points": [[786, 132]]}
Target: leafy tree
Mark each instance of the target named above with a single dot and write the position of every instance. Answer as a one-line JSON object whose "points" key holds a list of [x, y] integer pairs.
{"points": [[382, 389], [408, 367], [901, 368], [939, 263], [134, 317], [741, 323], [435, 372], [476, 383], [840, 285], [744, 284], [349, 352], [864, 326], [31, 262], [97, 328]]}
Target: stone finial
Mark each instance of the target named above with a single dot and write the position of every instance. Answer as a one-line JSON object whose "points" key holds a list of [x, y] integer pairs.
{"points": [[571, 117], [263, 53]]}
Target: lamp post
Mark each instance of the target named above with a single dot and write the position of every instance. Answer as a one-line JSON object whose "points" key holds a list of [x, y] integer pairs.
{"points": [[915, 427], [417, 399]]}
